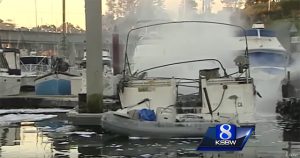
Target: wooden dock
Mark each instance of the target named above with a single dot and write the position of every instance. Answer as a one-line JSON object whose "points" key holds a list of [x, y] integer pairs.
{"points": [[34, 101], [84, 119]]}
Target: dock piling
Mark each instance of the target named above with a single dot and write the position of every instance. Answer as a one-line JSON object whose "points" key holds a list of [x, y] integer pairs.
{"points": [[94, 72]]}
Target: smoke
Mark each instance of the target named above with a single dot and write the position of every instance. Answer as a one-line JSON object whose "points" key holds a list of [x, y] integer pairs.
{"points": [[295, 73], [269, 87], [187, 41], [191, 41]]}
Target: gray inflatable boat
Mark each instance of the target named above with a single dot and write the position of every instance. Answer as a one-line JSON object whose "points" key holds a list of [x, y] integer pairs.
{"points": [[154, 129]]}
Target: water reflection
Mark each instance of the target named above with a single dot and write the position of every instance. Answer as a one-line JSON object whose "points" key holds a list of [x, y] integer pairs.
{"points": [[54, 138], [24, 140], [291, 134]]}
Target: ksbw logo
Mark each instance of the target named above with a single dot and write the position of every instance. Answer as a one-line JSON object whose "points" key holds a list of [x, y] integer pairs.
{"points": [[225, 134], [225, 137]]}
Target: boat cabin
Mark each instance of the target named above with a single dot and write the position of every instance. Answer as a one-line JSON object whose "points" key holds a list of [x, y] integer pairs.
{"points": [[264, 48], [12, 56], [3, 64], [35, 63], [106, 59]]}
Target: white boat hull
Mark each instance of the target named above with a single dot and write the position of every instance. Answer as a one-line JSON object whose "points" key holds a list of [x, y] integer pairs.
{"points": [[10, 85], [28, 80], [78, 84]]}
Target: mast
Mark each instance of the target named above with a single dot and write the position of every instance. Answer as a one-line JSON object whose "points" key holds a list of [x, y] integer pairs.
{"points": [[35, 13], [64, 27]]}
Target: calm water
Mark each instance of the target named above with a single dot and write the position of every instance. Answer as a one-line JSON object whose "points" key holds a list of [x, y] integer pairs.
{"points": [[55, 138]]}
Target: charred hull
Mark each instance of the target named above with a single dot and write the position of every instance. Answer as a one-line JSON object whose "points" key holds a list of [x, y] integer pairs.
{"points": [[289, 108]]}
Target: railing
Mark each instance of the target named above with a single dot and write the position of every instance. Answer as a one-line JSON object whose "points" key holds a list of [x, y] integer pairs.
{"points": [[295, 39], [35, 68], [75, 70]]}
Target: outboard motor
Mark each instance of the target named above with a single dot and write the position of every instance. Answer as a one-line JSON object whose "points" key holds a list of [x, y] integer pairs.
{"points": [[287, 88], [242, 62], [59, 65]]}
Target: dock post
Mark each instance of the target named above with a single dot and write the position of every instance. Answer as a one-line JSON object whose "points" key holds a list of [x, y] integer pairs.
{"points": [[93, 15], [116, 52]]}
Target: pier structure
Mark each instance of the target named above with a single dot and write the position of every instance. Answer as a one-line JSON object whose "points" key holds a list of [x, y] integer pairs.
{"points": [[91, 113], [94, 72]]}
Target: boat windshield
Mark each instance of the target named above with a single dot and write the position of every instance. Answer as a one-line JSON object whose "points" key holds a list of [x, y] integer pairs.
{"points": [[12, 59], [179, 43], [3, 62], [268, 59], [34, 60], [257, 32], [105, 62]]}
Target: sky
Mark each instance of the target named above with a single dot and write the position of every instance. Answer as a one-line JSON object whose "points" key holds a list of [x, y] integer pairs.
{"points": [[23, 12]]}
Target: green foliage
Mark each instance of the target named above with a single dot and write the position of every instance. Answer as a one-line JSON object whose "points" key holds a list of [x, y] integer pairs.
{"points": [[127, 13], [121, 8], [111, 5], [259, 10], [187, 8], [289, 7]]}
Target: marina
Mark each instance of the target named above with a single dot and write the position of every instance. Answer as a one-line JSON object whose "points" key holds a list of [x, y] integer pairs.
{"points": [[54, 138]]}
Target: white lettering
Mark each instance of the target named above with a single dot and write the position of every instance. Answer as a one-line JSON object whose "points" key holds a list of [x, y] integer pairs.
{"points": [[225, 142]]}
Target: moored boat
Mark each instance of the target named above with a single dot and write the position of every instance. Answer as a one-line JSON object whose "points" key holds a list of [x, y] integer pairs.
{"points": [[33, 66], [266, 53], [269, 62], [56, 82], [78, 84], [10, 79], [153, 106]]}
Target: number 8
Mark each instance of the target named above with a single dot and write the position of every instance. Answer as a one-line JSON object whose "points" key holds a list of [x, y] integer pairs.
{"points": [[225, 131]]}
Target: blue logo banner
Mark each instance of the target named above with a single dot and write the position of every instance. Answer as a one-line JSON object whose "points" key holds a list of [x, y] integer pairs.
{"points": [[225, 137]]}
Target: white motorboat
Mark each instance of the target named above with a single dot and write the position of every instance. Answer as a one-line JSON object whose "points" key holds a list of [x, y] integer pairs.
{"points": [[154, 107], [267, 56], [33, 66], [269, 62], [10, 72], [78, 84]]}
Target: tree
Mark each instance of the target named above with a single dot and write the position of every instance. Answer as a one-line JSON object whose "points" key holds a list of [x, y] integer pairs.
{"points": [[233, 3], [121, 8], [159, 3], [259, 9], [129, 13], [9, 25], [188, 8], [290, 8], [70, 28], [127, 7], [111, 5]]}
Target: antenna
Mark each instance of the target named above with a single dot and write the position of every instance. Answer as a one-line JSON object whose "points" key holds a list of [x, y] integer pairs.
{"points": [[64, 27], [35, 12], [0, 38]]}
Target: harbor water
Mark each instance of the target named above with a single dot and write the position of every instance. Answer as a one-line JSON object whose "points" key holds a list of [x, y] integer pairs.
{"points": [[54, 137]]}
